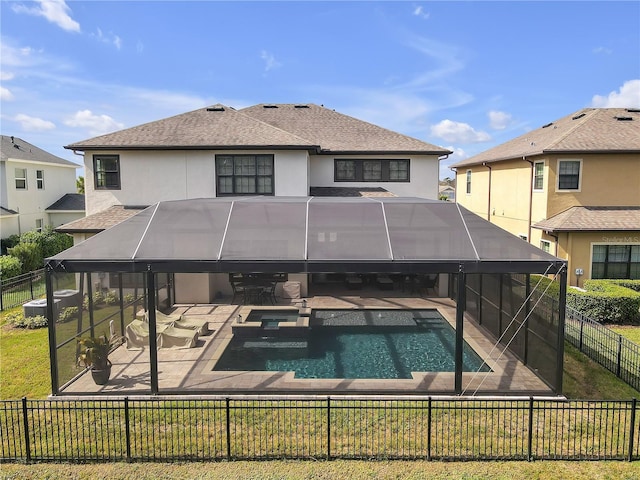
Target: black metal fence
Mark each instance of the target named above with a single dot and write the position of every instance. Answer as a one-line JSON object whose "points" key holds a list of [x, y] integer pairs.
{"points": [[17, 290], [611, 350], [215, 428]]}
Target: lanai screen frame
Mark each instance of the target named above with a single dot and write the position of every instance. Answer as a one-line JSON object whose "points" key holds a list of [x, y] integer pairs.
{"points": [[482, 258]]}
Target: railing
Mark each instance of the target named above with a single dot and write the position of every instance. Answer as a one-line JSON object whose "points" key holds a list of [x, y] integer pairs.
{"points": [[17, 290], [611, 350], [216, 428]]}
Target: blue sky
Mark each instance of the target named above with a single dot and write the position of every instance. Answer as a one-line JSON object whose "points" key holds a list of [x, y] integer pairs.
{"points": [[462, 75]]}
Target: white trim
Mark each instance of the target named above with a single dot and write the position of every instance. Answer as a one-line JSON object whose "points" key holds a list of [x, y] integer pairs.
{"points": [[542, 240], [544, 174], [580, 174], [467, 181]]}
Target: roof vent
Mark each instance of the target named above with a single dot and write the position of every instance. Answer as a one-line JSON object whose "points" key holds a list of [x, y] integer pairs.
{"points": [[624, 119], [301, 106], [633, 110], [216, 108], [580, 115], [270, 106], [547, 125]]}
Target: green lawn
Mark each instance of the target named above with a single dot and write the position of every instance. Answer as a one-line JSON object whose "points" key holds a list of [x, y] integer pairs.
{"points": [[349, 469], [631, 332]]}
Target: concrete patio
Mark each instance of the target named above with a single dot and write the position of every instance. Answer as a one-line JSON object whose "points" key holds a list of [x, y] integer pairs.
{"points": [[190, 370]]}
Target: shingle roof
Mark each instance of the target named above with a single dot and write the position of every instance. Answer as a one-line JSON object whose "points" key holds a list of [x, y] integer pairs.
{"points": [[349, 192], [7, 211], [288, 126], [588, 130], [593, 219], [337, 132], [18, 149], [68, 202], [100, 221]]}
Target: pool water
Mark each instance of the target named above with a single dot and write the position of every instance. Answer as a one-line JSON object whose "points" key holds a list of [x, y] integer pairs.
{"points": [[357, 344]]}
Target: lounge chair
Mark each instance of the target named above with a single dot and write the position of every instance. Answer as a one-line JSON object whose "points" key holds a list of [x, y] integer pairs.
{"points": [[181, 321], [167, 336]]}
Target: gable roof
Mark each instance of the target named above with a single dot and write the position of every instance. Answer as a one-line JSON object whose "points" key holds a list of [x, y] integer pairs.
{"points": [[305, 234], [68, 202], [590, 130], [283, 126], [15, 148], [593, 219]]}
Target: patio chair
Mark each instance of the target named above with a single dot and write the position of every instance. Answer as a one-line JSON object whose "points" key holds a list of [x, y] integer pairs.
{"points": [[167, 336], [181, 321], [268, 293], [238, 291]]}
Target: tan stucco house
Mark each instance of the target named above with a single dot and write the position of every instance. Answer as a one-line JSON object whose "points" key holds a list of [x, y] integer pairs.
{"points": [[570, 187]]}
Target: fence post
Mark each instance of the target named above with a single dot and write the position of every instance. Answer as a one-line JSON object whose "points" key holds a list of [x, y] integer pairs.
{"points": [[619, 356], [1, 298], [581, 333], [429, 429], [25, 420], [634, 403], [530, 434], [31, 284], [228, 429], [328, 428], [127, 428]]}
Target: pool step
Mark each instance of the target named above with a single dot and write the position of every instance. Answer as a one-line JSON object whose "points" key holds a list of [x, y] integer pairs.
{"points": [[266, 343]]}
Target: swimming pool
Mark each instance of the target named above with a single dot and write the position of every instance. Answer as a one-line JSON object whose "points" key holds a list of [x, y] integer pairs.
{"points": [[354, 344]]}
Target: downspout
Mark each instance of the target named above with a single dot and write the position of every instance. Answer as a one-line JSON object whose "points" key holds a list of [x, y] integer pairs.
{"points": [[489, 199], [530, 199], [442, 157]]}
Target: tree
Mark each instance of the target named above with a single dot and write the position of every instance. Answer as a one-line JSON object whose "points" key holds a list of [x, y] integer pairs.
{"points": [[80, 184]]}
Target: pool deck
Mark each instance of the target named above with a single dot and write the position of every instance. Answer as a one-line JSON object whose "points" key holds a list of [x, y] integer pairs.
{"points": [[190, 370]]}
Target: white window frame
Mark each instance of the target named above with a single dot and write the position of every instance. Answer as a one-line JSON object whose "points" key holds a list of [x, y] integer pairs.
{"points": [[468, 182], [546, 243], [541, 189], [21, 178], [40, 179], [580, 173], [39, 224]]}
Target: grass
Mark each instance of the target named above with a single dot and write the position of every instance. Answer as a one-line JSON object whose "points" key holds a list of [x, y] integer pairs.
{"points": [[290, 470], [630, 332]]}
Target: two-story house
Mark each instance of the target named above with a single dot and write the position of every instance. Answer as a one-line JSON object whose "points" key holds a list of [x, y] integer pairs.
{"points": [[284, 150], [36, 188], [571, 187]]}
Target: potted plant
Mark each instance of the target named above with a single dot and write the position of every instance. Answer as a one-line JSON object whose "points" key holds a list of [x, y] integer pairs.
{"points": [[94, 354]]}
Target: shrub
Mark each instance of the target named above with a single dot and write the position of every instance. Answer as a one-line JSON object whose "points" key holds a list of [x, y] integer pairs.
{"points": [[606, 302], [50, 242], [29, 254], [9, 242], [98, 298], [18, 320], [632, 284], [111, 298], [129, 298], [68, 314], [10, 266]]}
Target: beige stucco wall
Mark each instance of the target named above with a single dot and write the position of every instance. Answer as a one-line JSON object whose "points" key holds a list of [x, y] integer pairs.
{"points": [[577, 248], [607, 180]]}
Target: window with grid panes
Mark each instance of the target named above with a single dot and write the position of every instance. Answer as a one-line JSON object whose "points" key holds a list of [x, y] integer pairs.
{"points": [[615, 261], [39, 179], [361, 170], [569, 174], [538, 175], [106, 172], [244, 174], [21, 178]]}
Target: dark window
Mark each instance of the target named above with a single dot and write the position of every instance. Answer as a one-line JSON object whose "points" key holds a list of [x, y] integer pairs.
{"points": [[538, 176], [615, 261], [468, 181], [569, 175], [244, 174], [106, 171], [371, 170]]}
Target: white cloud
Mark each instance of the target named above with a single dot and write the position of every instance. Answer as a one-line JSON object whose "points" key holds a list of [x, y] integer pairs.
{"points": [[499, 120], [5, 94], [419, 12], [627, 97], [33, 124], [5, 76], [457, 132], [96, 124], [55, 11], [269, 60], [109, 38], [605, 50]]}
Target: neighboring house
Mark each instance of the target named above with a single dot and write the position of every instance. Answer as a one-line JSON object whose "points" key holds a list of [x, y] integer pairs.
{"points": [[280, 150], [448, 192], [35, 188], [571, 187]]}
